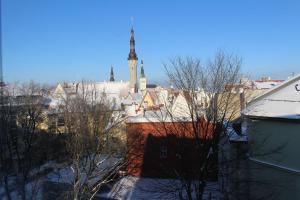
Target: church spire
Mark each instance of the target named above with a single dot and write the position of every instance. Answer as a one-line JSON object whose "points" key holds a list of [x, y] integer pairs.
{"points": [[132, 55], [132, 63], [143, 80], [112, 77], [142, 69]]}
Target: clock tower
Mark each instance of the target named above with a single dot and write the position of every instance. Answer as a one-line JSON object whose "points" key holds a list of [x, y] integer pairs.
{"points": [[132, 63]]}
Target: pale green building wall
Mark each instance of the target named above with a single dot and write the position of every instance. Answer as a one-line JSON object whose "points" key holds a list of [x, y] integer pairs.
{"points": [[277, 143]]}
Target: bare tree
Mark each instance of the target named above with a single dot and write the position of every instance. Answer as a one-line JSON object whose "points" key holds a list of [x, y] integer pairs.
{"points": [[208, 123], [92, 124], [22, 113], [5, 147], [93, 131]]}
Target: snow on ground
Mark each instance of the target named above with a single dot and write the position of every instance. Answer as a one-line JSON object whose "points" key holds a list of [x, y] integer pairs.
{"points": [[56, 173], [130, 187], [33, 189], [66, 175]]}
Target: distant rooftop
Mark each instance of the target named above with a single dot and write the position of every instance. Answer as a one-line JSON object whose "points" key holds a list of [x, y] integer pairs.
{"points": [[151, 86], [269, 79], [267, 83], [156, 116]]}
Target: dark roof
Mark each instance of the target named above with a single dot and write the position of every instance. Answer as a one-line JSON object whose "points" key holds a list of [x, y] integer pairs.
{"points": [[151, 86]]}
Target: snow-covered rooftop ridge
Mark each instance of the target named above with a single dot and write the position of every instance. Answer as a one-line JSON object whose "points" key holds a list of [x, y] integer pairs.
{"points": [[111, 87], [151, 116], [108, 87], [282, 102], [113, 91], [135, 96], [261, 85], [69, 84], [274, 109], [276, 88]]}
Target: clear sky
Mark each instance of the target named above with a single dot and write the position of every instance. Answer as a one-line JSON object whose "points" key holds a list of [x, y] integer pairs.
{"points": [[56, 40]]}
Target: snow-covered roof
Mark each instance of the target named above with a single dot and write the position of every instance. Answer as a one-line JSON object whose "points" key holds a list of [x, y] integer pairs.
{"points": [[156, 116], [107, 87], [282, 101], [113, 91], [116, 87], [268, 84], [132, 98], [136, 96], [126, 101]]}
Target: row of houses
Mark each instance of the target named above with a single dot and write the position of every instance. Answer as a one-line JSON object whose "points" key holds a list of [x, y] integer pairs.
{"points": [[122, 98], [158, 124], [266, 143]]}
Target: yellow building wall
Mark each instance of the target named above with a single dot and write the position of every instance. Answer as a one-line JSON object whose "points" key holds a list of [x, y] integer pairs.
{"points": [[147, 101]]}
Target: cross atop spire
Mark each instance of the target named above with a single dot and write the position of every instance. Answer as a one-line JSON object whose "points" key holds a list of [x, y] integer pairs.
{"points": [[132, 55], [112, 77]]}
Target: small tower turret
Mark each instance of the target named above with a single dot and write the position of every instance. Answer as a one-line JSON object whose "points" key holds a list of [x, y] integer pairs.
{"points": [[112, 76], [143, 80]]}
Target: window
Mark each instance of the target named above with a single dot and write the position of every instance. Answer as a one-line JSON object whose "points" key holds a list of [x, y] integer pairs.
{"points": [[163, 152]]}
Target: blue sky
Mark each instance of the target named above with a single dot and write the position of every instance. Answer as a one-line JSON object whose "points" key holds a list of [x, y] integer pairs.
{"points": [[56, 40]]}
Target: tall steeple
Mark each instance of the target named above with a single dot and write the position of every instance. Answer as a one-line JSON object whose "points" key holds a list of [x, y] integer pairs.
{"points": [[112, 77], [132, 55], [132, 63]]}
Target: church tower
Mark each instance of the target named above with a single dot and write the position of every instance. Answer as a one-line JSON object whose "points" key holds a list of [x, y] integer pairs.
{"points": [[112, 76], [143, 81], [132, 63]]}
